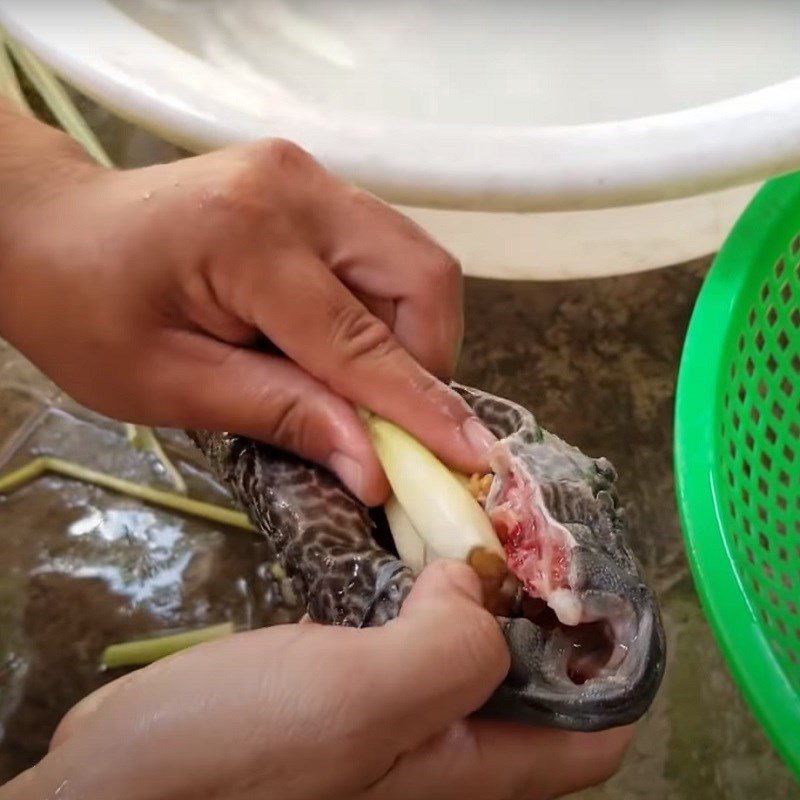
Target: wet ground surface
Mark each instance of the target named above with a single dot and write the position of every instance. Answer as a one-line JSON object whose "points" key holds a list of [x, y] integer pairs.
{"points": [[596, 361]]}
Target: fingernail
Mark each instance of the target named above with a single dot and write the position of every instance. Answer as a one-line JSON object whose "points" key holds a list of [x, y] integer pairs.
{"points": [[349, 471], [478, 436]]}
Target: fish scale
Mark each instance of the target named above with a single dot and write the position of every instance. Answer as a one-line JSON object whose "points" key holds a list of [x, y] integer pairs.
{"points": [[325, 541]]}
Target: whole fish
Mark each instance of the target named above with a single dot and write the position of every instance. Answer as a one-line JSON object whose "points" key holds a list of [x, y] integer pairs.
{"points": [[584, 630]]}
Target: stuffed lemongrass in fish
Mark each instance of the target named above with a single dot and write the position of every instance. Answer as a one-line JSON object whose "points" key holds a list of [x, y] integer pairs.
{"points": [[543, 530]]}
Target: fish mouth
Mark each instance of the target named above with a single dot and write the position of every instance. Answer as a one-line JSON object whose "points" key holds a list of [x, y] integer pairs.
{"points": [[585, 677], [587, 651], [599, 673]]}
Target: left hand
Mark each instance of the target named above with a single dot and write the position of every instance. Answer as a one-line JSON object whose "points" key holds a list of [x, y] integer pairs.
{"points": [[312, 712]]}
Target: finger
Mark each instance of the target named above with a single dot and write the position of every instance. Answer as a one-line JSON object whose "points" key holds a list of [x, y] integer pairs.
{"points": [[376, 249], [436, 663], [488, 760], [213, 386], [318, 323], [385, 310], [430, 333]]}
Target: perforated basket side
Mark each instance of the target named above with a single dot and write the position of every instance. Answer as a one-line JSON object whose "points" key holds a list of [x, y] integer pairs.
{"points": [[737, 456]]}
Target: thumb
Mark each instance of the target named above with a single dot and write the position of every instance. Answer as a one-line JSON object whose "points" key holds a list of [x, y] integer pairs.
{"points": [[440, 660]]}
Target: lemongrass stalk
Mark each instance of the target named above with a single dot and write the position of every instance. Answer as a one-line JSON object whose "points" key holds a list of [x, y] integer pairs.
{"points": [[27, 473], [175, 502], [146, 439], [59, 102], [439, 506], [9, 85], [146, 651], [408, 542]]}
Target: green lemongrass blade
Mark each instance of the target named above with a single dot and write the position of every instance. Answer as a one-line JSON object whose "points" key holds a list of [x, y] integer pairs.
{"points": [[146, 651], [169, 500], [439, 505], [174, 502], [9, 85], [25, 474], [59, 102], [146, 439]]}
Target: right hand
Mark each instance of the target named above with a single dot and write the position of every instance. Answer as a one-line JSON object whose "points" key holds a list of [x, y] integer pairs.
{"points": [[142, 293]]}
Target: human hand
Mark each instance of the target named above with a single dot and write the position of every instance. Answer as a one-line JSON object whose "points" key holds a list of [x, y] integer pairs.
{"points": [[306, 711], [144, 294]]}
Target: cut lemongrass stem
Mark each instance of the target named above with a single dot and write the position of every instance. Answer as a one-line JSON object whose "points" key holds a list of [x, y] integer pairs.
{"points": [[9, 84], [145, 439], [59, 102], [69, 117], [408, 542], [175, 502], [439, 505], [146, 651], [440, 508]]}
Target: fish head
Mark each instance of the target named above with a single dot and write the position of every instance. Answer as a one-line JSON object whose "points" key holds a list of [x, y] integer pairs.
{"points": [[585, 634]]}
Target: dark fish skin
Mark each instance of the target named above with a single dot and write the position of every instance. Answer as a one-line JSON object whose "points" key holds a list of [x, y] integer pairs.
{"points": [[321, 534], [324, 540]]}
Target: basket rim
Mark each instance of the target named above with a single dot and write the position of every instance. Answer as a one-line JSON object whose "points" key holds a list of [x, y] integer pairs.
{"points": [[749, 656]]}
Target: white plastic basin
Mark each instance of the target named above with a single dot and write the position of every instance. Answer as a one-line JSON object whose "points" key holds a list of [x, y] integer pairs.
{"points": [[535, 139]]}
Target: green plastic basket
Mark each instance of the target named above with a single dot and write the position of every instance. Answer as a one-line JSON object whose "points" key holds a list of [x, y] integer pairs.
{"points": [[737, 456]]}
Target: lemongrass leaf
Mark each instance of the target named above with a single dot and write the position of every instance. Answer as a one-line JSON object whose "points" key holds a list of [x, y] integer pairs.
{"points": [[59, 102], [9, 84], [175, 502], [146, 651], [146, 439], [27, 473]]}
